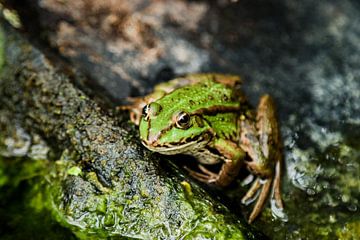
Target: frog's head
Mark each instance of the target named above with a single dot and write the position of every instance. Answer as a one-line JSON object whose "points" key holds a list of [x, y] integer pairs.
{"points": [[170, 130]]}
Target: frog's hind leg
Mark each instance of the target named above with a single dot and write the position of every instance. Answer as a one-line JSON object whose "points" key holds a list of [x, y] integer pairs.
{"points": [[269, 135], [258, 166], [262, 143]]}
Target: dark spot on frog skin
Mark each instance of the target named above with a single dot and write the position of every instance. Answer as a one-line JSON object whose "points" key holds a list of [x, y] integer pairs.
{"points": [[199, 121], [191, 102], [210, 97], [225, 98]]}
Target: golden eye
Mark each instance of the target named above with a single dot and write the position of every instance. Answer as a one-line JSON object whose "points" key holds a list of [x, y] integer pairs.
{"points": [[150, 110], [183, 120]]}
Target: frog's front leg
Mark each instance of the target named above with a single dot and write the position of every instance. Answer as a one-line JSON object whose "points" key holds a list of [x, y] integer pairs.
{"points": [[234, 156], [262, 144]]}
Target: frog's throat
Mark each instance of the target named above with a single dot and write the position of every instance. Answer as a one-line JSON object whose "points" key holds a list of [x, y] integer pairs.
{"points": [[176, 148]]}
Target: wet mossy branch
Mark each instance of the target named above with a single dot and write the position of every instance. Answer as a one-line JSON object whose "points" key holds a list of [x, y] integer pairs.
{"points": [[111, 186]]}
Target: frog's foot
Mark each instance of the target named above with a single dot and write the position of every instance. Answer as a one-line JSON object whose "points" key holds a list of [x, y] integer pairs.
{"points": [[264, 185], [134, 106], [205, 175]]}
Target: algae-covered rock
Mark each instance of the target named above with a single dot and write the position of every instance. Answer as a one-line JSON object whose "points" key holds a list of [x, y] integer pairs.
{"points": [[95, 180]]}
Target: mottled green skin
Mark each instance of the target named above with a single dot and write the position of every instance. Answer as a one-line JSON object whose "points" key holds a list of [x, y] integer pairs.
{"points": [[204, 94]]}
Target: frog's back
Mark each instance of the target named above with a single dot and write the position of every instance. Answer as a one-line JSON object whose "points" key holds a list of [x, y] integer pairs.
{"points": [[206, 95]]}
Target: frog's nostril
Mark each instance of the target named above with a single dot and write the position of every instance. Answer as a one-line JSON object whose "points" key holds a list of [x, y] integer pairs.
{"points": [[152, 139]]}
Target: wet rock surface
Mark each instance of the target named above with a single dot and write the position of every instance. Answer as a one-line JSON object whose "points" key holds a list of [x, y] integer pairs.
{"points": [[305, 54]]}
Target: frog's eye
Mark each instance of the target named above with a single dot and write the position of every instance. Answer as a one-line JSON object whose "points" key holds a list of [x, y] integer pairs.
{"points": [[151, 110], [145, 111], [183, 120]]}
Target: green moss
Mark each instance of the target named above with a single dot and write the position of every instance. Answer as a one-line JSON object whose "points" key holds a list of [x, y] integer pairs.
{"points": [[11, 16], [75, 171], [350, 231], [187, 189], [3, 177], [24, 205]]}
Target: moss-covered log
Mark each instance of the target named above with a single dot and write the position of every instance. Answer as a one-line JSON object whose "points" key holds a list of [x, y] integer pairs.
{"points": [[105, 183]]}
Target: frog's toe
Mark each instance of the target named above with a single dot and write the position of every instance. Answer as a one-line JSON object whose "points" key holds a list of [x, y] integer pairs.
{"points": [[207, 172], [276, 186], [264, 192], [206, 177], [249, 196]]}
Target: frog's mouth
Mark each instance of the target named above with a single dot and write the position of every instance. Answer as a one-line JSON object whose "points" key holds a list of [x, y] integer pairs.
{"points": [[191, 144]]}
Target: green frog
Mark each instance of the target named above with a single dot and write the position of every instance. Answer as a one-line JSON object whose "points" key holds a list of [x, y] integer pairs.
{"points": [[208, 116]]}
